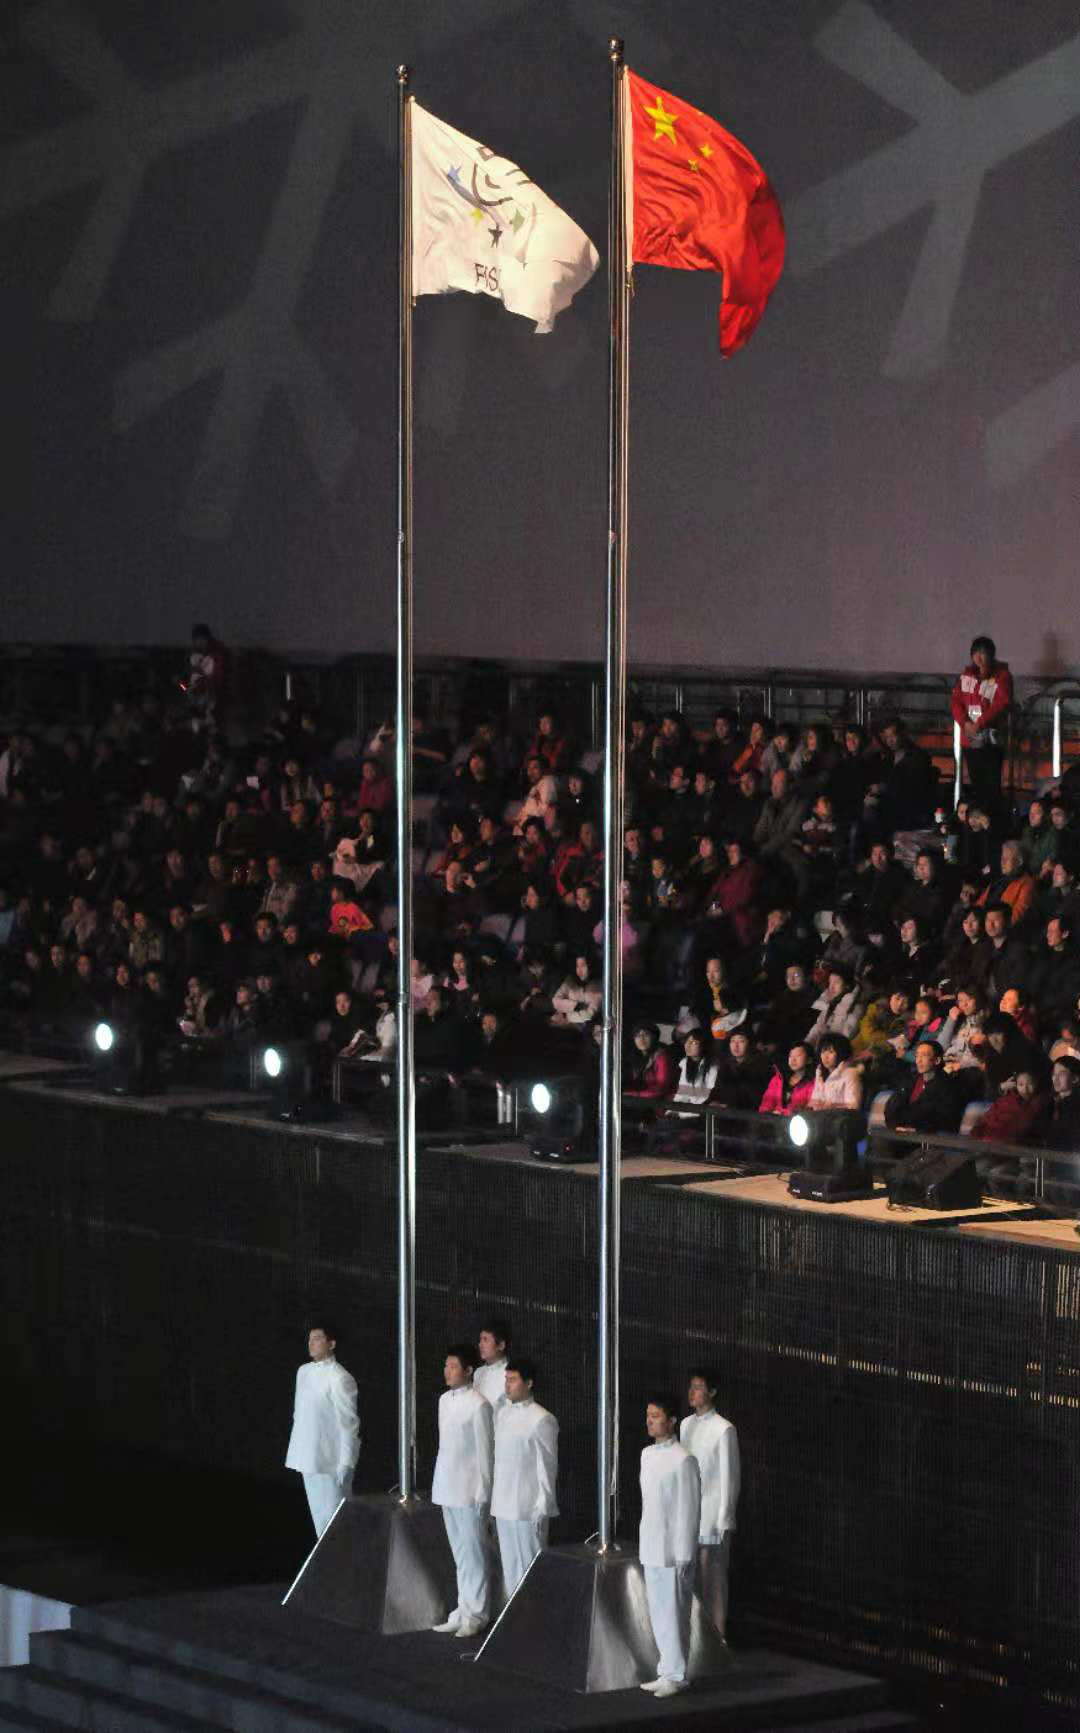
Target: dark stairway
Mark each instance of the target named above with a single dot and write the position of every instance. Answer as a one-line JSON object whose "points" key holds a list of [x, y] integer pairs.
{"points": [[234, 1658]]}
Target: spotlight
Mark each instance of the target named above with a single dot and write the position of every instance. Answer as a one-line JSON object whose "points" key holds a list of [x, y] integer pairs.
{"points": [[125, 1056], [832, 1174], [799, 1130], [557, 1119], [284, 1073]]}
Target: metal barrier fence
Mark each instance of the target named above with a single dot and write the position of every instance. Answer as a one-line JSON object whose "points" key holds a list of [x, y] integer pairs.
{"points": [[728, 1135], [73, 686]]}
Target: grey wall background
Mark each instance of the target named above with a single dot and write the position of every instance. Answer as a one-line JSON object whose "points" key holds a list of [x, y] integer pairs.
{"points": [[198, 209]]}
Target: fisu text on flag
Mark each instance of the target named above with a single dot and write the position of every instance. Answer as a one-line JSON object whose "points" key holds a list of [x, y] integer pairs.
{"points": [[480, 225]]}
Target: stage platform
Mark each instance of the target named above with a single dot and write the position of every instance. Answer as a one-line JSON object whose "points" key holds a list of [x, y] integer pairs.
{"points": [[238, 1659], [1059, 1232], [906, 1384], [16, 1065], [771, 1189]]}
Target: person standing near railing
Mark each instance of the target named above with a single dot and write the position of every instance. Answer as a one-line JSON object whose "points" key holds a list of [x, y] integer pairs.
{"points": [[981, 699]]}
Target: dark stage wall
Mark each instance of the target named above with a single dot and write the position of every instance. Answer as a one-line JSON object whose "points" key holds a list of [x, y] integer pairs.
{"points": [[197, 227], [907, 1400]]}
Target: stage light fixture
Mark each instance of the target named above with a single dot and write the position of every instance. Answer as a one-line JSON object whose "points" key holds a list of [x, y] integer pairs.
{"points": [[284, 1074], [557, 1118], [125, 1057], [830, 1138], [799, 1130]]}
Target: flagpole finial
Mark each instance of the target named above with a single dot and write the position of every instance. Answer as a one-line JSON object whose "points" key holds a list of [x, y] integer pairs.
{"points": [[404, 73], [615, 49]]}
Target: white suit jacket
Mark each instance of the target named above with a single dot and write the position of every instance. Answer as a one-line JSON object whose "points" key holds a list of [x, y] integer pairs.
{"points": [[670, 1505], [325, 1435], [713, 1441], [463, 1466], [526, 1462]]}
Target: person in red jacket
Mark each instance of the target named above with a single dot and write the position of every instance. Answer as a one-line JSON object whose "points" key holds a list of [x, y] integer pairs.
{"points": [[1019, 1114], [980, 704], [788, 1092], [655, 1073]]}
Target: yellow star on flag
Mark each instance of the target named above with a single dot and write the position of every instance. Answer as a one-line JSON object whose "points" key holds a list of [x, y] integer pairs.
{"points": [[665, 122], [694, 164], [706, 150]]}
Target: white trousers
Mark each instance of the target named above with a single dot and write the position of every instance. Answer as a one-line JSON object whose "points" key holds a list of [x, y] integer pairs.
{"points": [[466, 1531], [324, 1493], [519, 1543], [712, 1581], [670, 1593]]}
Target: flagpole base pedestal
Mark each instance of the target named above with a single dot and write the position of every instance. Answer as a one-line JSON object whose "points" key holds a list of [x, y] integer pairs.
{"points": [[581, 1618], [380, 1566]]}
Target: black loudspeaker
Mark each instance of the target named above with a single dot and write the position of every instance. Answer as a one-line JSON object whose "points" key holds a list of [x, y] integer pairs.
{"points": [[936, 1180]]}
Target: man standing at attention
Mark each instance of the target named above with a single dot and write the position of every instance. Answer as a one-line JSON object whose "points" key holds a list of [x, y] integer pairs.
{"points": [[325, 1439], [526, 1470], [490, 1375], [668, 1542], [462, 1485], [714, 1443]]}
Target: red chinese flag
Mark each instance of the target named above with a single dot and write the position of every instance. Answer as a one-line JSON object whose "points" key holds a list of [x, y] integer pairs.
{"points": [[700, 202]]}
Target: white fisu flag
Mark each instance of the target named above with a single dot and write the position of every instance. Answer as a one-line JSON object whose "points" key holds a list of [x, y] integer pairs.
{"points": [[481, 225]]}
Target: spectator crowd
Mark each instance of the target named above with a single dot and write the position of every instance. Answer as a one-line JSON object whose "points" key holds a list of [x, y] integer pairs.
{"points": [[806, 921]]}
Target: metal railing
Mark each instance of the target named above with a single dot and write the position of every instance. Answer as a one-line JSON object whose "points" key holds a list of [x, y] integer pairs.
{"points": [[1057, 739], [73, 686], [378, 1073], [1035, 1159], [744, 1137]]}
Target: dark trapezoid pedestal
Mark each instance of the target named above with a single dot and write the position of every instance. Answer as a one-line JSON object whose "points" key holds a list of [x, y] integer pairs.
{"points": [[380, 1566], [582, 1619]]}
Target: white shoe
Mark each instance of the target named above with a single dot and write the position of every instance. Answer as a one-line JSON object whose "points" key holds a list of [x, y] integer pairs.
{"points": [[451, 1624], [671, 1687], [470, 1627], [652, 1684]]}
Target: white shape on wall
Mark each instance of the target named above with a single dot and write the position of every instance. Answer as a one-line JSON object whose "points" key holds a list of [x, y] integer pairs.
{"points": [[254, 349], [940, 164]]}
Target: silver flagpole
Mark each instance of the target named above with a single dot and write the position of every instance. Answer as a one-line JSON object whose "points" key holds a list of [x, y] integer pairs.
{"points": [[614, 769], [406, 1079]]}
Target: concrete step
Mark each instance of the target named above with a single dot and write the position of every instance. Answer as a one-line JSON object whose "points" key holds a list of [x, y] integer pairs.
{"points": [[192, 1643], [209, 1697], [12, 1716], [31, 1697], [870, 1721]]}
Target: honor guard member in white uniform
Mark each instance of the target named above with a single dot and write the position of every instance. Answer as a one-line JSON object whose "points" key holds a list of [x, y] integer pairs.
{"points": [[713, 1441], [462, 1485], [668, 1542], [526, 1470], [490, 1375], [325, 1439]]}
